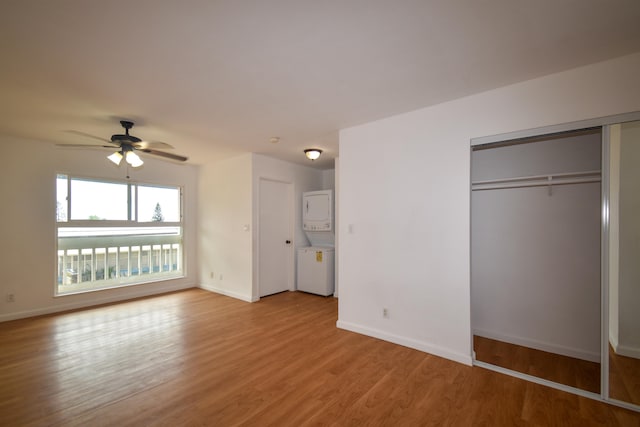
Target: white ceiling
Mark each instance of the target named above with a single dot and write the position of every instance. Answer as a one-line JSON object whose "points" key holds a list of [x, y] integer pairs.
{"points": [[215, 78]]}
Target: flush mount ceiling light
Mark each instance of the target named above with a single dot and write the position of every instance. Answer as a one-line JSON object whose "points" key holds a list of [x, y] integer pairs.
{"points": [[312, 153]]}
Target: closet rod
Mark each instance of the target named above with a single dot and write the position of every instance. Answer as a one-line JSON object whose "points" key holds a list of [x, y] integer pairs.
{"points": [[539, 177], [548, 183]]}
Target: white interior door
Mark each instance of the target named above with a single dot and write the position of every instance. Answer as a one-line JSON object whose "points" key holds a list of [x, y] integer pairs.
{"points": [[274, 237]]}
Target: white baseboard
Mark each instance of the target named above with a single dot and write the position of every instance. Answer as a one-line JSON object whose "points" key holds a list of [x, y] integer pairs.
{"points": [[624, 350], [407, 342], [130, 294], [613, 340], [540, 345], [228, 293]]}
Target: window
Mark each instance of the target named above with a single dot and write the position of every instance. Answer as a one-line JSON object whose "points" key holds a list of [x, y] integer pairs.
{"points": [[114, 234]]}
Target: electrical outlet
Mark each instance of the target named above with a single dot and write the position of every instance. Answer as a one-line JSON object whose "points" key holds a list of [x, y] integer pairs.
{"points": [[211, 275], [385, 313], [221, 277], [11, 298]]}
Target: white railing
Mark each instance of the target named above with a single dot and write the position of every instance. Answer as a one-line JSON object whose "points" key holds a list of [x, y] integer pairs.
{"points": [[96, 262]]}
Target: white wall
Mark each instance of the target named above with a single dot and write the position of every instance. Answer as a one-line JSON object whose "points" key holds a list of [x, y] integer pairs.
{"points": [[28, 194], [405, 195], [328, 179], [535, 272], [225, 224], [303, 179], [629, 238], [228, 206]]}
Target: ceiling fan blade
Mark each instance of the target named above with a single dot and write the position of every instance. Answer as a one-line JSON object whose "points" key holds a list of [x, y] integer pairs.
{"points": [[86, 146], [88, 135], [164, 154], [143, 145]]}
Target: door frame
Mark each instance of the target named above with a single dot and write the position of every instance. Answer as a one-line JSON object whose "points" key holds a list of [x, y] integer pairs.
{"points": [[290, 252]]}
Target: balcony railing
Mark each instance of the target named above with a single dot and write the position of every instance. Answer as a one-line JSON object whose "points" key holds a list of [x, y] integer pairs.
{"points": [[98, 262]]}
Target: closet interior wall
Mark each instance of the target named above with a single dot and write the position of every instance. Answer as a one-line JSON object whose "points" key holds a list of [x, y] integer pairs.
{"points": [[535, 249]]}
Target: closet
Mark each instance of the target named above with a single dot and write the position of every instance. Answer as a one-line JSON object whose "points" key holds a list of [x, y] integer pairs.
{"points": [[536, 256], [555, 244]]}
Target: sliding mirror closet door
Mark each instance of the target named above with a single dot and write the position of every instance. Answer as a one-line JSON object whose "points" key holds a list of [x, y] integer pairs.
{"points": [[624, 262], [535, 256]]}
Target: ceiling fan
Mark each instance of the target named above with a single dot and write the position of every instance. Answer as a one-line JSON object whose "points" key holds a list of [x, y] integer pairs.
{"points": [[127, 145]]}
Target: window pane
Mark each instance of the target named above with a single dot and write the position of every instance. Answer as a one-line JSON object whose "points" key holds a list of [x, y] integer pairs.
{"points": [[98, 200], [132, 204], [61, 198], [91, 258], [103, 254], [157, 204]]}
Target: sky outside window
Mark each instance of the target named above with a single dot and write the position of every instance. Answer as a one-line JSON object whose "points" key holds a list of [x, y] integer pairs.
{"points": [[98, 200], [167, 198], [94, 200]]}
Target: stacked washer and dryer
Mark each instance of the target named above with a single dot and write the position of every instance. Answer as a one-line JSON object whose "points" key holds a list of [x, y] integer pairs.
{"points": [[316, 262]]}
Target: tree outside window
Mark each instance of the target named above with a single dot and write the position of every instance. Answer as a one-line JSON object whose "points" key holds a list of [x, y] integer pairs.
{"points": [[157, 214]]}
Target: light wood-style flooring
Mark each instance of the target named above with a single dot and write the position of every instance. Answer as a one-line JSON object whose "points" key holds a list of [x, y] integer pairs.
{"points": [[624, 377], [194, 358], [561, 369]]}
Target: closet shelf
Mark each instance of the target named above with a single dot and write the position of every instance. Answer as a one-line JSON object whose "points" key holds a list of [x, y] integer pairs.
{"points": [[538, 180]]}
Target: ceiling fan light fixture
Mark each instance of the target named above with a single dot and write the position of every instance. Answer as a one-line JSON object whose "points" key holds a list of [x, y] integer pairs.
{"points": [[312, 153], [115, 157], [133, 159]]}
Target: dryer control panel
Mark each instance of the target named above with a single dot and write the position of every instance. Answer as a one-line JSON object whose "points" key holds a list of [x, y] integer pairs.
{"points": [[317, 210]]}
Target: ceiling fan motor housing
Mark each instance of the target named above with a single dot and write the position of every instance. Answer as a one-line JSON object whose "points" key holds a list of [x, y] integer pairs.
{"points": [[125, 138]]}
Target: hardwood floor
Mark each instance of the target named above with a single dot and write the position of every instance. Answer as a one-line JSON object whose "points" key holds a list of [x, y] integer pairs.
{"points": [[624, 377], [194, 358], [549, 366]]}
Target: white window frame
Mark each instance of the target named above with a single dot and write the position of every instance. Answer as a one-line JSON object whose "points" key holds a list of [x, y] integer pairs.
{"points": [[173, 243]]}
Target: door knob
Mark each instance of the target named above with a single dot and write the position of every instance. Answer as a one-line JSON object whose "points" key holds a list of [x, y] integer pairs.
{"points": [[288, 242]]}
